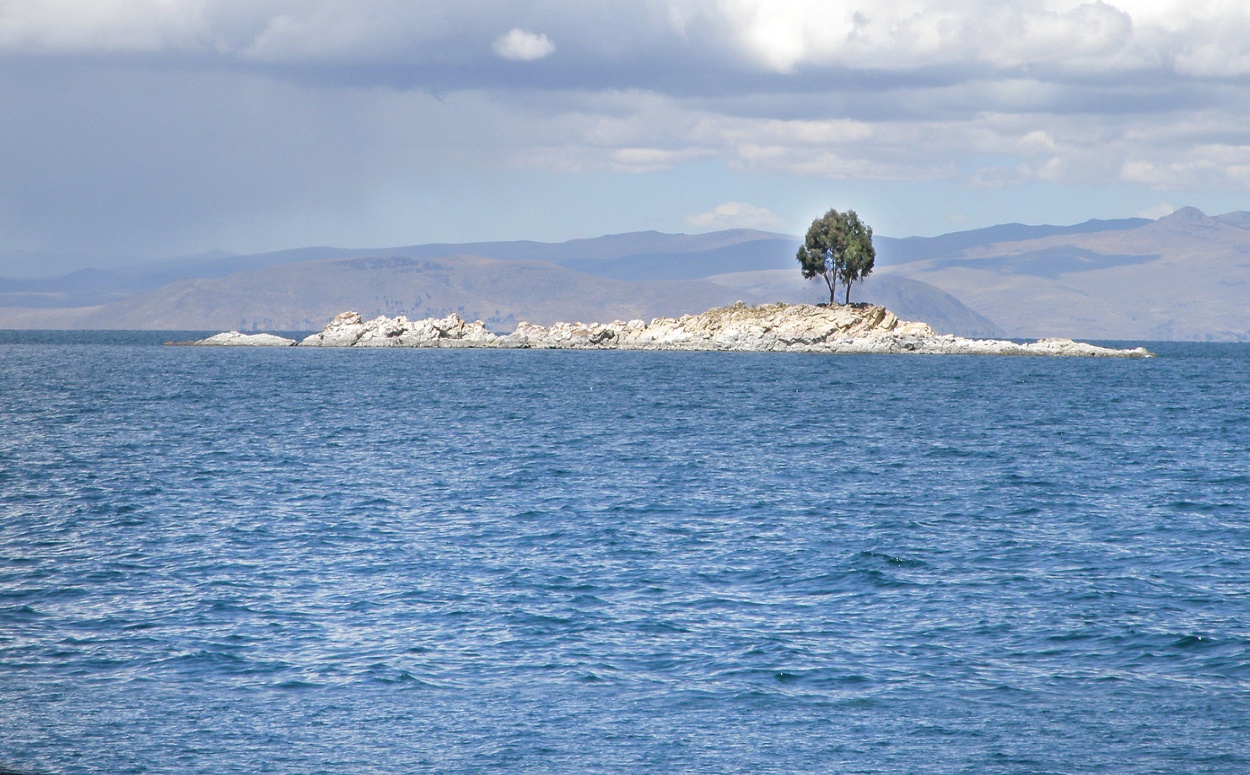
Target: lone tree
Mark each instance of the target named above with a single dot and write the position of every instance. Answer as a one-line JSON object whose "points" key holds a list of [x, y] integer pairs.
{"points": [[838, 248]]}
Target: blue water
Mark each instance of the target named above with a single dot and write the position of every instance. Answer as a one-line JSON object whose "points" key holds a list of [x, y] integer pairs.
{"points": [[297, 561]]}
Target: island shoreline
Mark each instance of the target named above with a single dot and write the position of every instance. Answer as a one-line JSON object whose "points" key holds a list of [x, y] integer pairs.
{"points": [[838, 329]]}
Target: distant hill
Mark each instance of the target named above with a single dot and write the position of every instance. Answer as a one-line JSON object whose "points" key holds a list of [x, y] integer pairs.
{"points": [[644, 275], [755, 255], [1185, 276], [892, 250], [307, 295], [89, 287]]}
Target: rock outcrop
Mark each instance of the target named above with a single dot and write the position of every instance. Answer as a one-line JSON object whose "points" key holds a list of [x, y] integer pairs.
{"points": [[235, 339], [349, 330], [861, 328]]}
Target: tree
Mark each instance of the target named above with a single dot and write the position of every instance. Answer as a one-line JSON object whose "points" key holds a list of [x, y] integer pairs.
{"points": [[838, 247]]}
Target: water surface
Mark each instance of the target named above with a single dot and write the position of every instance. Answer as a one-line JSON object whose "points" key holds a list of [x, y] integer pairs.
{"points": [[288, 560]]}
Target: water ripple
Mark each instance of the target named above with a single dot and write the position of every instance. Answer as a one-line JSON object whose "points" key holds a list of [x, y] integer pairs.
{"points": [[587, 562]]}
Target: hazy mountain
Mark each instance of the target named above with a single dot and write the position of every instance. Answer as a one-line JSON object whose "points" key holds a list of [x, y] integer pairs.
{"points": [[644, 275], [755, 255], [1185, 276], [44, 264], [307, 295], [893, 250], [90, 287], [606, 248]]}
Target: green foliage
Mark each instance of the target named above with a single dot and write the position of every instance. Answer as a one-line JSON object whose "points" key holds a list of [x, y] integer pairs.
{"points": [[838, 248]]}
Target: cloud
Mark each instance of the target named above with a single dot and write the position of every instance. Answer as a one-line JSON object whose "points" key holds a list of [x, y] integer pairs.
{"points": [[176, 121], [1157, 211], [522, 46], [1200, 166], [734, 215], [52, 26], [717, 40], [784, 35]]}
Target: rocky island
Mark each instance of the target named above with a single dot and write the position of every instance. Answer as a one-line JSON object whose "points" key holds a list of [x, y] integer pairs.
{"points": [[858, 328]]}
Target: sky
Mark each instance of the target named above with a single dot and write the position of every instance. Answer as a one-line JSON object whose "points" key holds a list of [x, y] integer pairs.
{"points": [[138, 129]]}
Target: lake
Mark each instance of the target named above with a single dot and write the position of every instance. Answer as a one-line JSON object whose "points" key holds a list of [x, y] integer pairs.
{"points": [[296, 561]]}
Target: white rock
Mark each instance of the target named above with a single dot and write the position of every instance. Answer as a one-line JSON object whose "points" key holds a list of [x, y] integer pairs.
{"points": [[344, 331], [235, 339], [861, 328]]}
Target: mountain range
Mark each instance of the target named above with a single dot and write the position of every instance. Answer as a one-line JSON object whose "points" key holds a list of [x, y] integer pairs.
{"points": [[1184, 276]]}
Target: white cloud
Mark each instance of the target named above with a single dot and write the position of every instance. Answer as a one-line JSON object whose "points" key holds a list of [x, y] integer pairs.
{"points": [[734, 215], [789, 35], [646, 132], [832, 164], [1200, 37], [717, 39], [1156, 212], [1188, 166], [1037, 141], [101, 25], [522, 46]]}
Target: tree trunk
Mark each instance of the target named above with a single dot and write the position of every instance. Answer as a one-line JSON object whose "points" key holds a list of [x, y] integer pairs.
{"points": [[832, 289], [848, 290]]}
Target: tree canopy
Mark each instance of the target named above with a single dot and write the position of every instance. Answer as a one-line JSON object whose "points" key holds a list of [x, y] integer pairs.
{"points": [[838, 248]]}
